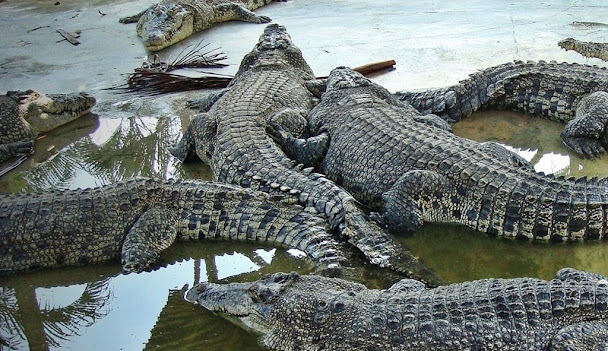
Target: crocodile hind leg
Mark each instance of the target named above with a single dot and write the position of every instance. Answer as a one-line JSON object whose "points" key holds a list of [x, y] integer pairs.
{"points": [[309, 151], [152, 233], [22, 147], [234, 11], [416, 196], [581, 337], [587, 133]]}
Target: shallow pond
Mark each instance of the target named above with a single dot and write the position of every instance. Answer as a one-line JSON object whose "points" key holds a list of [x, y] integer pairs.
{"points": [[435, 43]]}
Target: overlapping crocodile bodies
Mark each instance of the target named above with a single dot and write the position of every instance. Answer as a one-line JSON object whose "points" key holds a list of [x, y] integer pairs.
{"points": [[269, 88], [411, 169], [309, 313], [136, 219]]}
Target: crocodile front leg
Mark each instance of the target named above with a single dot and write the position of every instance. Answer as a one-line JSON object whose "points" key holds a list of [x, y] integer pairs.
{"points": [[198, 139], [586, 134], [132, 19], [237, 12], [309, 151], [152, 233]]}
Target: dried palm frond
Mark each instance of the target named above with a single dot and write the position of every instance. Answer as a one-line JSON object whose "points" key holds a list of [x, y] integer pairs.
{"points": [[156, 83], [153, 77], [193, 58]]}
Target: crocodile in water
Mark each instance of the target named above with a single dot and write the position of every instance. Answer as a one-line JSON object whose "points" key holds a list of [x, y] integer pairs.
{"points": [[411, 169], [136, 219], [232, 138], [24, 114], [588, 49], [546, 89], [310, 313], [170, 21]]}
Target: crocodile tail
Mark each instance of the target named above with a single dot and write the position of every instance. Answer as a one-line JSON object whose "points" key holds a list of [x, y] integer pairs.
{"points": [[558, 209]]}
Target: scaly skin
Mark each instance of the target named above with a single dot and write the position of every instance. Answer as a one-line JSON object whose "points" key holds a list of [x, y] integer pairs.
{"points": [[170, 21], [412, 170], [136, 219], [546, 89], [25, 114], [312, 313], [586, 48], [270, 88]]}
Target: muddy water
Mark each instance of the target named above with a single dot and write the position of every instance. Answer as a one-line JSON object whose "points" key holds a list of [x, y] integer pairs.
{"points": [[98, 308]]}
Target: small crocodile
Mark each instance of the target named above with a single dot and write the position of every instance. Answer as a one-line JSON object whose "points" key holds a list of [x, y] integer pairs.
{"points": [[586, 48], [24, 114], [311, 313], [170, 21], [546, 89], [136, 219], [231, 137], [412, 169]]}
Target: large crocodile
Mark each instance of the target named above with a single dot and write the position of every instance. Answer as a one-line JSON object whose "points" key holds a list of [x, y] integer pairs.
{"points": [[310, 313], [136, 219], [170, 21], [269, 87], [411, 169], [588, 49], [24, 114], [547, 89]]}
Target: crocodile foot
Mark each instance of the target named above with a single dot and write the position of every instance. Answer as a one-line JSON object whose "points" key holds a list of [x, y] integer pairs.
{"points": [[22, 147], [586, 134]]}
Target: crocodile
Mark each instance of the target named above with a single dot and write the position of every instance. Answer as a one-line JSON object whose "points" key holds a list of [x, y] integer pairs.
{"points": [[24, 114], [586, 48], [547, 89], [136, 219], [270, 87], [170, 21], [412, 169], [309, 313]]}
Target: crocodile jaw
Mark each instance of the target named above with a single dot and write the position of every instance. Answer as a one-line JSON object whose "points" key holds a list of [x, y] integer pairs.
{"points": [[164, 25], [45, 112]]}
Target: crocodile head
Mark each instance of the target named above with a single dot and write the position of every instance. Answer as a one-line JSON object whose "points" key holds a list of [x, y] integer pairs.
{"points": [[275, 49], [289, 310], [165, 24], [45, 112], [567, 44]]}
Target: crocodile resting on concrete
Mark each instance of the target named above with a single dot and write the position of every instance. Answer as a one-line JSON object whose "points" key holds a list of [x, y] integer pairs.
{"points": [[586, 48], [231, 137], [136, 219], [25, 114], [411, 169], [170, 21], [558, 91], [310, 313]]}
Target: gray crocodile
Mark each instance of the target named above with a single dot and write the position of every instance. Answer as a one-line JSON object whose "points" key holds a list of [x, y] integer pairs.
{"points": [[170, 21], [546, 89], [24, 114], [136, 219], [412, 169], [231, 137], [588, 49], [310, 313]]}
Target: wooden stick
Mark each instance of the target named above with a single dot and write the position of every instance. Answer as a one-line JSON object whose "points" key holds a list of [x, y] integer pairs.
{"points": [[69, 37], [371, 67]]}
